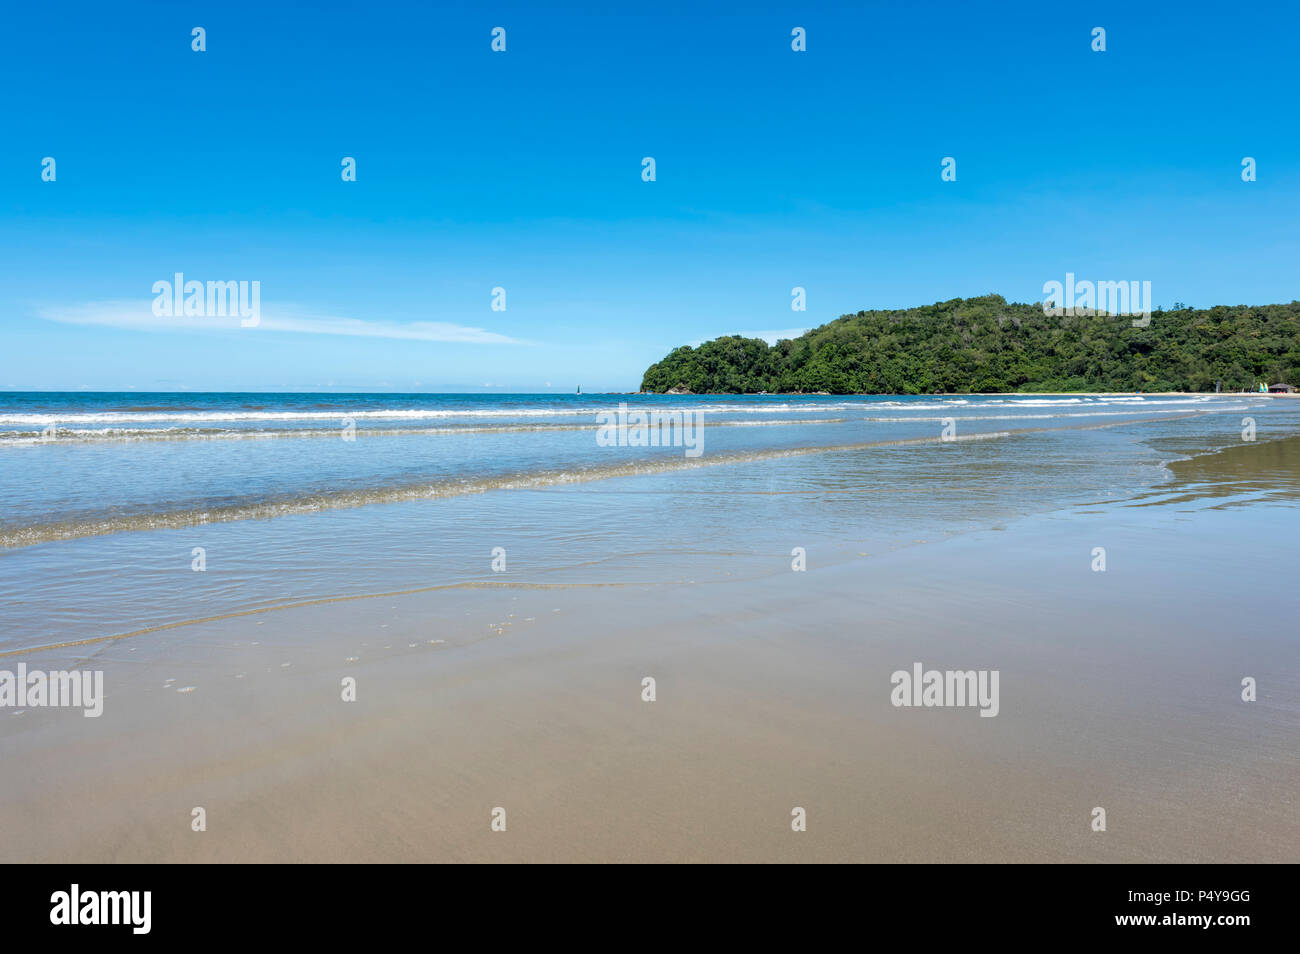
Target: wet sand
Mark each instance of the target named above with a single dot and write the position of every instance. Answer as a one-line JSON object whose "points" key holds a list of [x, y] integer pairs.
{"points": [[1119, 689]]}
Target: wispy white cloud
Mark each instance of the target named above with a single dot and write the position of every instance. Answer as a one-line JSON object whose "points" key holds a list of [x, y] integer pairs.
{"points": [[139, 316]]}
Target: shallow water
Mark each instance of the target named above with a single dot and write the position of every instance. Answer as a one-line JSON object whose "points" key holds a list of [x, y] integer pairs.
{"points": [[104, 498]]}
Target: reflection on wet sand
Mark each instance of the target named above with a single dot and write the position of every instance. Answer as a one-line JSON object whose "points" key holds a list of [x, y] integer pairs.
{"points": [[1251, 473]]}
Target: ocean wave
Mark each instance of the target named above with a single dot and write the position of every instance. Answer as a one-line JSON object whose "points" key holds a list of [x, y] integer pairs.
{"points": [[129, 434], [268, 508], [148, 414], [396, 414], [1035, 417]]}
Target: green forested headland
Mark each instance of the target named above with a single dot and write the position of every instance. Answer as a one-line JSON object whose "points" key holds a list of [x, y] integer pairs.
{"points": [[987, 345]]}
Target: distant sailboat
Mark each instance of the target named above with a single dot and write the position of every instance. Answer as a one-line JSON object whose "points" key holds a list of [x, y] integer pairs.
{"points": [[579, 388]]}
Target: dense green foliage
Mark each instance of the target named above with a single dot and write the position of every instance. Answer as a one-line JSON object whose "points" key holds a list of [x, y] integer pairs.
{"points": [[987, 345]]}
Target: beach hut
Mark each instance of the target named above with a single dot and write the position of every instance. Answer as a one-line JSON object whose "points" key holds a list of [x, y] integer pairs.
{"points": [[1281, 389]]}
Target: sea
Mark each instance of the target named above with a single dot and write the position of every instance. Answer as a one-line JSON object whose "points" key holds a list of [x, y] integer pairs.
{"points": [[121, 512]]}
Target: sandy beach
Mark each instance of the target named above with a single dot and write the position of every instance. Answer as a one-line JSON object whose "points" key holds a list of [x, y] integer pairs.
{"points": [[1119, 689], [686, 435]]}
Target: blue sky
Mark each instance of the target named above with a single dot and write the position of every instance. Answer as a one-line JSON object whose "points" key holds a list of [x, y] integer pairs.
{"points": [[522, 170]]}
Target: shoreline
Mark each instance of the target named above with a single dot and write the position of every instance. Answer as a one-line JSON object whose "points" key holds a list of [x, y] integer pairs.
{"points": [[961, 394], [1118, 689]]}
